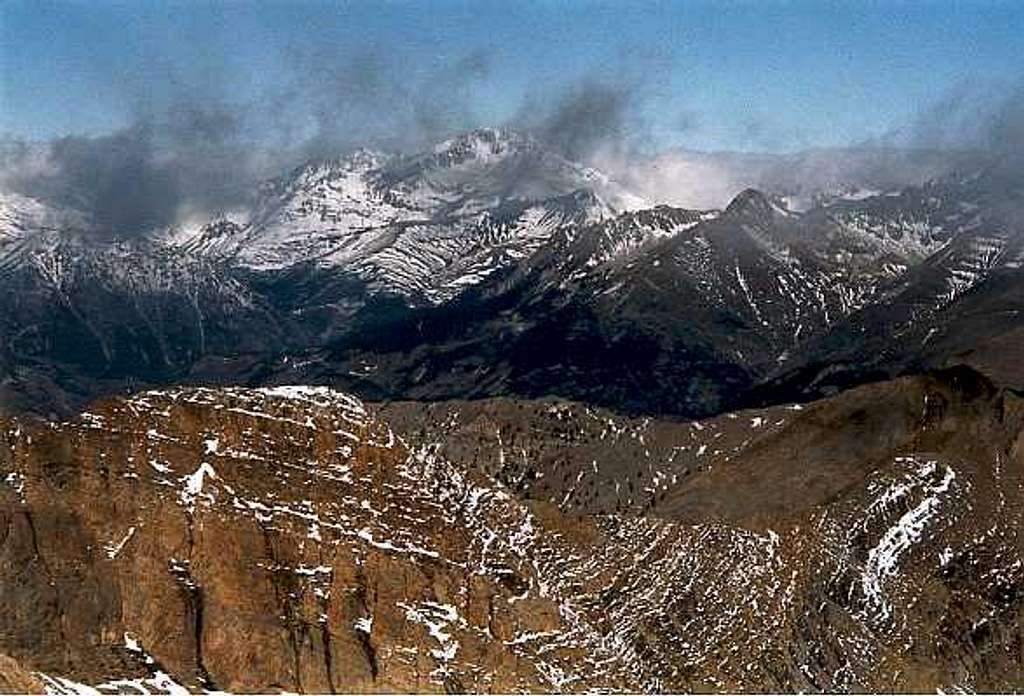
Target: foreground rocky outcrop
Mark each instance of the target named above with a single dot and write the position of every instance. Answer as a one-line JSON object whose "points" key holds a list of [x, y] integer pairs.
{"points": [[289, 539], [264, 540]]}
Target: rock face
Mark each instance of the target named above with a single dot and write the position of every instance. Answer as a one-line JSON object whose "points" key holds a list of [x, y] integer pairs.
{"points": [[288, 539], [255, 541]]}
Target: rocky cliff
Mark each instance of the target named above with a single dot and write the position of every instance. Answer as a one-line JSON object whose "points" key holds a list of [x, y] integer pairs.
{"points": [[289, 539]]}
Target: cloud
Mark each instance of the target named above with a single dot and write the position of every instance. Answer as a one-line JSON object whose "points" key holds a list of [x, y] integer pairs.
{"points": [[444, 102], [145, 176], [197, 154], [980, 128], [339, 99], [711, 179], [588, 118], [971, 117], [1005, 131], [117, 178], [971, 128]]}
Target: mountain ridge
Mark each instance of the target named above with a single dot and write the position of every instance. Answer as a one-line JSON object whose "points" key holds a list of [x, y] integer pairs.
{"points": [[745, 295]]}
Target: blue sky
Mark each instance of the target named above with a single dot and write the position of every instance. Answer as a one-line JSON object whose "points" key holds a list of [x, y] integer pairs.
{"points": [[707, 75]]}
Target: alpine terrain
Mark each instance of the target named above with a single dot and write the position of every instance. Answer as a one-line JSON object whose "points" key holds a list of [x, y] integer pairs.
{"points": [[480, 417]]}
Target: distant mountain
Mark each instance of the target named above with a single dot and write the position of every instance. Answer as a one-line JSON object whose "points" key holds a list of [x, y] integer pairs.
{"points": [[423, 226], [80, 317], [88, 311], [489, 265], [961, 304], [694, 312], [548, 438]]}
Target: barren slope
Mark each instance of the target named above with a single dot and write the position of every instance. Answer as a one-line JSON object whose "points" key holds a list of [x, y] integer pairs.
{"points": [[288, 539]]}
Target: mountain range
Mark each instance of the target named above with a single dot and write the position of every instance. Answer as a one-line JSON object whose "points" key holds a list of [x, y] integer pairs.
{"points": [[489, 265], [481, 418]]}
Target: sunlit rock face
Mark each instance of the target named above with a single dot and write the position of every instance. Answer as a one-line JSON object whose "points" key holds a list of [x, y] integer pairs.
{"points": [[296, 539]]}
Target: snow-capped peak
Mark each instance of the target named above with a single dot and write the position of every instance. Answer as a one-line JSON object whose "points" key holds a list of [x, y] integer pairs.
{"points": [[751, 203], [482, 144]]}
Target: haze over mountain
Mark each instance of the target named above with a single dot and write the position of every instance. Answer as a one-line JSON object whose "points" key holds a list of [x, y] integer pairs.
{"points": [[189, 133]]}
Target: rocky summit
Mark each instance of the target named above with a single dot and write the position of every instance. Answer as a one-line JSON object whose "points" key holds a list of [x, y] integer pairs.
{"points": [[297, 539]]}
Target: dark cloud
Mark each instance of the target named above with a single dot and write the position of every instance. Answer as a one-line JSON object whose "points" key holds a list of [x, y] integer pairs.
{"points": [[586, 118], [148, 175], [979, 128], [971, 121], [201, 125], [444, 102], [190, 152], [197, 154], [1006, 126], [117, 178]]}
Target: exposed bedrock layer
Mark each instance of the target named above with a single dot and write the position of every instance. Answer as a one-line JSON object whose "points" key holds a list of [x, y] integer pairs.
{"points": [[291, 539]]}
